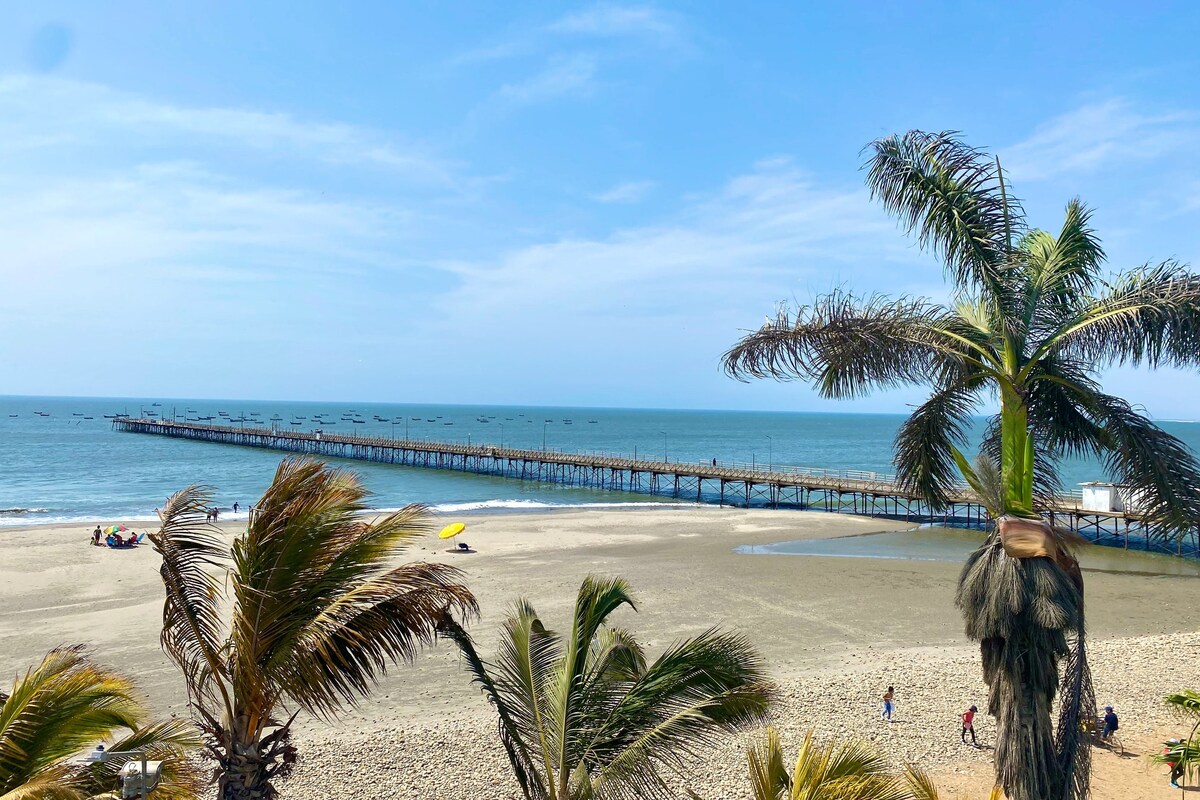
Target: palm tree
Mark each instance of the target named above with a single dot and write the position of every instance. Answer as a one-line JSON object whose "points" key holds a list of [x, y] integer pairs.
{"points": [[1031, 323], [847, 770], [584, 717], [67, 704], [317, 612], [1183, 755], [842, 771]]}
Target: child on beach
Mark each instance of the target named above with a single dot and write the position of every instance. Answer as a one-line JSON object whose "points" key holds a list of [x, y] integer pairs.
{"points": [[968, 724], [889, 704]]}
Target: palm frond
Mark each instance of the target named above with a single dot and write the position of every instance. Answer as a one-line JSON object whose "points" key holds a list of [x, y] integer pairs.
{"points": [[519, 723], [953, 197], [1185, 702], [848, 345], [920, 785], [46, 787], [1147, 316], [769, 779], [336, 658], [194, 560], [62, 706], [1161, 472], [171, 741], [926, 441], [689, 698], [1062, 270], [319, 615]]}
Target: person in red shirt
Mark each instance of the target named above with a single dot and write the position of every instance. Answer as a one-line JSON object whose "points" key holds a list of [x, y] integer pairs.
{"points": [[968, 724]]}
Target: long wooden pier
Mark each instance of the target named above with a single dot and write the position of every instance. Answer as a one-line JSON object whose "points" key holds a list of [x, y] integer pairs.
{"points": [[847, 491]]}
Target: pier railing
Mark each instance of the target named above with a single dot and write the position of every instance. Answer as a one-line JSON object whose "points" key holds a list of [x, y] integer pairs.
{"points": [[854, 491]]}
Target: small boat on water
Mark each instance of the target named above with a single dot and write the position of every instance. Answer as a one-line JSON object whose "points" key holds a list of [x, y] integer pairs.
{"points": [[76, 413], [156, 404], [14, 415], [89, 417]]}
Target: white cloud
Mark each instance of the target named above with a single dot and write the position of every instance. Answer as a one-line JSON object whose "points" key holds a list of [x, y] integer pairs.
{"points": [[600, 22], [766, 235], [573, 75], [612, 21], [627, 192], [40, 112], [1094, 136]]}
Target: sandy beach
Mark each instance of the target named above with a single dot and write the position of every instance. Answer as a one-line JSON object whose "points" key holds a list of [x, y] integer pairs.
{"points": [[834, 632]]}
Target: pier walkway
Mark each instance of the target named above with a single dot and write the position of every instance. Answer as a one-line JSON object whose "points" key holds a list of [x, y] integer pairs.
{"points": [[849, 491]]}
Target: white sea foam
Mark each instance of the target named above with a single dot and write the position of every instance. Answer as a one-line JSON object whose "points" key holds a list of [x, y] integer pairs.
{"points": [[11, 519]]}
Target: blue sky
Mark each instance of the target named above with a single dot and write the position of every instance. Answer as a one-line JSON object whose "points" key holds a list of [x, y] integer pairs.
{"points": [[539, 203]]}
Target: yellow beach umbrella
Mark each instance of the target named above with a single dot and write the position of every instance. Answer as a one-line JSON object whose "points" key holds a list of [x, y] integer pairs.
{"points": [[452, 530]]}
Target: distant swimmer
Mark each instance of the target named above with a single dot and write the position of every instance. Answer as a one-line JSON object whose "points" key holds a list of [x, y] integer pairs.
{"points": [[235, 508]]}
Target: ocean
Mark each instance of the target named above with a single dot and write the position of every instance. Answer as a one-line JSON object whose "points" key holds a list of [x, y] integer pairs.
{"points": [[67, 465]]}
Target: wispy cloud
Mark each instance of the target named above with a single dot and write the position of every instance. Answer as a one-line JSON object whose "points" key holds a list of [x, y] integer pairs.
{"points": [[627, 192], [568, 76], [52, 111], [613, 21], [1098, 135], [763, 235], [662, 29]]}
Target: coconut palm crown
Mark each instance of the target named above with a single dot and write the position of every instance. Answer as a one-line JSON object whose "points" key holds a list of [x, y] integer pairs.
{"points": [[318, 611], [68, 704], [1032, 321], [585, 717]]}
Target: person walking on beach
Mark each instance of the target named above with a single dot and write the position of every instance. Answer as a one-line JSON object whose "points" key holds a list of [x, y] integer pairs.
{"points": [[96, 537], [1176, 766], [889, 703], [968, 724]]}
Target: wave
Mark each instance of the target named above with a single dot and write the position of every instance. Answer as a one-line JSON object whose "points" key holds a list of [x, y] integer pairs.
{"points": [[19, 517]]}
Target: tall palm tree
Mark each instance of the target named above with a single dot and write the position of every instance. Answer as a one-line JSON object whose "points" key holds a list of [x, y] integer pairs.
{"points": [[317, 612], [67, 704], [1031, 323], [584, 717]]}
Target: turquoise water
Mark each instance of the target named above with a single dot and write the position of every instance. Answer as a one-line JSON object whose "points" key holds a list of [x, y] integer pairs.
{"points": [[71, 465], [953, 546]]}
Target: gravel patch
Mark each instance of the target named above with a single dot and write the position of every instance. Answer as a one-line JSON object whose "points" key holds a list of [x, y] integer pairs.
{"points": [[459, 756]]}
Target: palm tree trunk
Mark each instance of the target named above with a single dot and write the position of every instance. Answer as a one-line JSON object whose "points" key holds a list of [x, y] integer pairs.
{"points": [[1023, 611], [247, 761], [244, 775]]}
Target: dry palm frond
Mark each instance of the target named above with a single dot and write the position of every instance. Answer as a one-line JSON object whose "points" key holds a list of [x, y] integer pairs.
{"points": [[318, 611]]}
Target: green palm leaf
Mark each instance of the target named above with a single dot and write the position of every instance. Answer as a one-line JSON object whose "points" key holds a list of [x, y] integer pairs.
{"points": [[69, 704], [584, 716]]}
